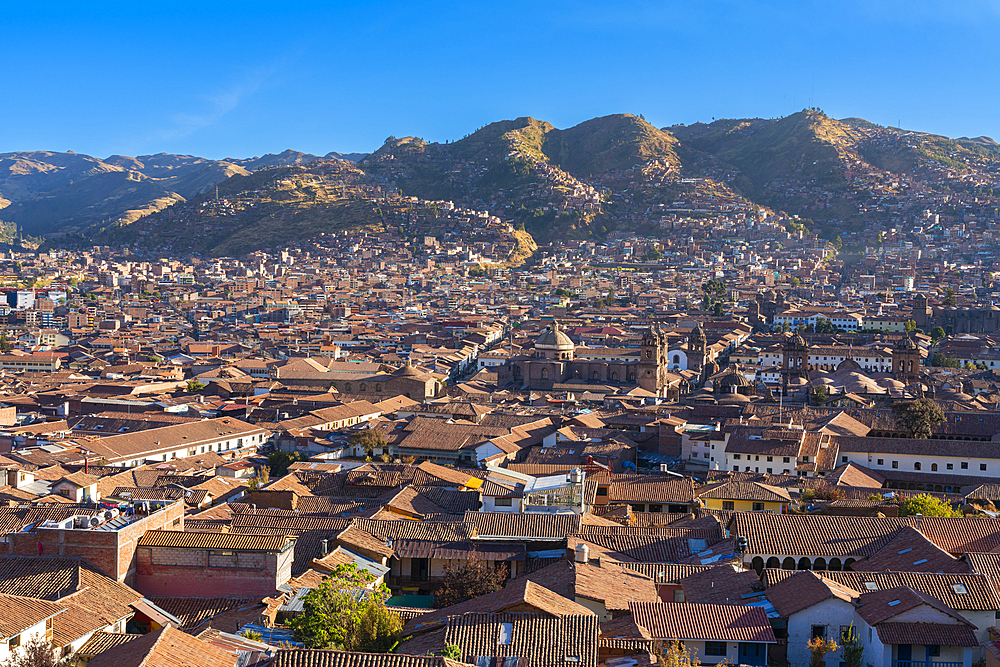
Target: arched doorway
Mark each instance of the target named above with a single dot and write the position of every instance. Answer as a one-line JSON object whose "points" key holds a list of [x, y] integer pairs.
{"points": [[804, 563], [835, 565], [788, 564], [847, 563], [757, 564], [819, 564], [773, 563]]}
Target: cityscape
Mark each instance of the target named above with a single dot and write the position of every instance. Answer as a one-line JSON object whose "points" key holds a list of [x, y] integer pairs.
{"points": [[591, 391]]}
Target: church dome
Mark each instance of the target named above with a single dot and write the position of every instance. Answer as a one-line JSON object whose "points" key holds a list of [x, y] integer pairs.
{"points": [[731, 378], [697, 333], [796, 341], [848, 365], [906, 344], [408, 370], [554, 339]]}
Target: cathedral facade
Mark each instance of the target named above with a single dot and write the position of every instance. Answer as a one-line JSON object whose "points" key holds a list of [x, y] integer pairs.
{"points": [[553, 362]]}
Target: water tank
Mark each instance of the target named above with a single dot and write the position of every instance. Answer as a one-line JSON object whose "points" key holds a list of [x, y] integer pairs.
{"points": [[576, 476], [581, 553]]}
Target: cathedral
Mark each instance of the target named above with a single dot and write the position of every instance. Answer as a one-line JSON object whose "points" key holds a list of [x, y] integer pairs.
{"points": [[553, 362]]}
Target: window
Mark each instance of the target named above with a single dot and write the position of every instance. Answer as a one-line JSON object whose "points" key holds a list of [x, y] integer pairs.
{"points": [[728, 505], [602, 491], [715, 648], [502, 502], [933, 651], [933, 467], [818, 631], [951, 466], [770, 458], [736, 456], [506, 633], [895, 464], [15, 641], [786, 460], [880, 462], [758, 507], [679, 597], [845, 634], [982, 466], [843, 459], [916, 466], [965, 465]]}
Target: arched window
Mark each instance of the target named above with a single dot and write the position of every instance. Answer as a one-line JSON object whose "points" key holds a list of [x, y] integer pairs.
{"points": [[595, 375], [347, 387], [677, 358], [545, 373], [757, 564], [614, 376], [916, 466], [788, 564], [649, 354], [773, 563], [933, 467], [364, 387], [804, 563]]}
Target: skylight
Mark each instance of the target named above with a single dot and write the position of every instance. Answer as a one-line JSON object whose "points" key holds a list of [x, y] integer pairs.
{"points": [[506, 633], [959, 589], [906, 550], [920, 562], [894, 603], [871, 585]]}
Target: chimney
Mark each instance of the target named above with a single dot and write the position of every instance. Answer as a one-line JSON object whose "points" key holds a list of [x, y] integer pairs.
{"points": [[324, 547]]}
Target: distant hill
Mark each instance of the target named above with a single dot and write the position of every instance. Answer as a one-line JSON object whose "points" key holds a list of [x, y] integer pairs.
{"points": [[287, 158]]}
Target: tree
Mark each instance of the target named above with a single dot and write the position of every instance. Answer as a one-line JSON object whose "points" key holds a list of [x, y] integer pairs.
{"points": [[261, 479], [5, 345], [368, 439], [252, 635], [717, 310], [909, 326], [937, 333], [195, 385], [917, 418], [941, 361], [818, 648], [795, 281], [465, 582], [927, 505], [852, 650], [949, 297], [37, 653], [279, 462], [652, 255], [820, 394], [347, 612], [451, 651], [825, 326], [676, 654]]}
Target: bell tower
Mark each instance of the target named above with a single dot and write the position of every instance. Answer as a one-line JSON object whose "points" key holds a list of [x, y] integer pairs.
{"points": [[697, 349]]}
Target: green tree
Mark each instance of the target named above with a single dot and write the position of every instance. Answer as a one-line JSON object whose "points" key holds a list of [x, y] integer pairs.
{"points": [[949, 297], [717, 310], [824, 326], [37, 653], [195, 385], [451, 651], [852, 649], [5, 345], [820, 394], [675, 654], [714, 287], [942, 361], [279, 462], [926, 505], [368, 439], [795, 281], [465, 582], [937, 333], [917, 418], [252, 635], [652, 255], [347, 612], [909, 326]]}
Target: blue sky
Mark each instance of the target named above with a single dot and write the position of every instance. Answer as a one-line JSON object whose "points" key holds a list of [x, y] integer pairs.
{"points": [[222, 79]]}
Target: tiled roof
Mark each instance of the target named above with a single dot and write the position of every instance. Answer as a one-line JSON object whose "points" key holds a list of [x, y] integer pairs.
{"points": [[711, 622], [606, 582], [17, 613], [804, 589], [910, 551], [187, 540], [651, 489], [878, 606], [523, 525], [977, 592], [166, 647], [538, 639], [102, 641], [192, 612], [519, 592], [927, 634], [754, 491], [300, 657]]}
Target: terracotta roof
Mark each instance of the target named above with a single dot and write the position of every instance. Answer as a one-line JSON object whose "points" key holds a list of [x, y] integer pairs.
{"points": [[804, 589], [187, 540], [754, 491], [604, 581], [166, 647], [17, 613], [523, 525], [301, 657], [102, 641], [910, 551], [651, 489], [193, 612], [519, 592], [711, 622], [926, 634], [963, 592], [879, 606], [538, 640]]}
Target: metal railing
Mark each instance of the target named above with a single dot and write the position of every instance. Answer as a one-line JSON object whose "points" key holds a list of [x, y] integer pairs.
{"points": [[925, 663]]}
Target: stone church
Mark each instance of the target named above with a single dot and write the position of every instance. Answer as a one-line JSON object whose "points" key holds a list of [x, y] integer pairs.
{"points": [[553, 362]]}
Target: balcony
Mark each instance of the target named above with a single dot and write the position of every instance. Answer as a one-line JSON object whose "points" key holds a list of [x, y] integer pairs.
{"points": [[925, 663]]}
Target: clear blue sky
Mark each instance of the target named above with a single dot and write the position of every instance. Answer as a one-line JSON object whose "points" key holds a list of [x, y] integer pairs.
{"points": [[222, 79]]}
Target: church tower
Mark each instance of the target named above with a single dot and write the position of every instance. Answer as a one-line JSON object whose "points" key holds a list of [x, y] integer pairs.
{"points": [[795, 362], [921, 313], [906, 361], [697, 349], [651, 352]]}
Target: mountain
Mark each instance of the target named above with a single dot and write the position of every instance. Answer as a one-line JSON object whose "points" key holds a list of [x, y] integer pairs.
{"points": [[284, 159]]}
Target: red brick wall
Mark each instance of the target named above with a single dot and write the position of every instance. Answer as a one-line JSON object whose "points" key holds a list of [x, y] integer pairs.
{"points": [[112, 551], [167, 572]]}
